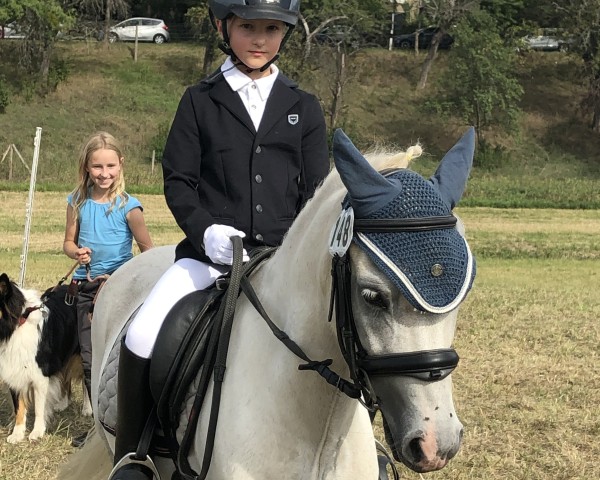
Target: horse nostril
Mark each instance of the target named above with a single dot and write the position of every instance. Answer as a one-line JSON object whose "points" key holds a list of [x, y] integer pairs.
{"points": [[415, 450]]}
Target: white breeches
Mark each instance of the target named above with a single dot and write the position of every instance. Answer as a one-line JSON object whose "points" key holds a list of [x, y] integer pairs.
{"points": [[183, 277]]}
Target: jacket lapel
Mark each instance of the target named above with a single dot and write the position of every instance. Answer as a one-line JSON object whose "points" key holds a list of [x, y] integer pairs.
{"points": [[223, 94], [281, 99]]}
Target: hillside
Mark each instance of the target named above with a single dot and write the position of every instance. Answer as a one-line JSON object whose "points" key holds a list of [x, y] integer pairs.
{"points": [[554, 162]]}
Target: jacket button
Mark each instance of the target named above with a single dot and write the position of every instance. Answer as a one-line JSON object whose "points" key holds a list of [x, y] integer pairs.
{"points": [[259, 208], [258, 178], [259, 237], [258, 149]]}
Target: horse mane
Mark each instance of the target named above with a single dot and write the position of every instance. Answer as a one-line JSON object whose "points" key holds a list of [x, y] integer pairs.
{"points": [[332, 191], [381, 158]]}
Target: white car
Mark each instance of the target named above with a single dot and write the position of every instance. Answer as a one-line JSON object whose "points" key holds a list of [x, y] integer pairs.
{"points": [[11, 31], [542, 42], [148, 30]]}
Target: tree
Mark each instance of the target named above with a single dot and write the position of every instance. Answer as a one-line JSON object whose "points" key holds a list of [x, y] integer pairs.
{"points": [[105, 8], [582, 19], [201, 26], [480, 85], [515, 18], [359, 15], [40, 20], [507, 13], [545, 13], [443, 14]]}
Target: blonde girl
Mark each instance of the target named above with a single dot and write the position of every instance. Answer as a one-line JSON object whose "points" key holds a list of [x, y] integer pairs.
{"points": [[102, 221]]}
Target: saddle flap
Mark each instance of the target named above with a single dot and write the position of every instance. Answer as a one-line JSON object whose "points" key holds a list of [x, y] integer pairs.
{"points": [[179, 351]]}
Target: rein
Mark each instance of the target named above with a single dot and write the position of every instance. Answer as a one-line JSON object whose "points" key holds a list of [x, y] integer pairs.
{"points": [[234, 283]]}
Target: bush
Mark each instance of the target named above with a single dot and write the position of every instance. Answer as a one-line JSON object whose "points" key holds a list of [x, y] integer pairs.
{"points": [[490, 157], [59, 72], [4, 95], [160, 139]]}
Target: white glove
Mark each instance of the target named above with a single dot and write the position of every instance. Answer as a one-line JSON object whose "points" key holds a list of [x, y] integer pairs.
{"points": [[218, 246]]}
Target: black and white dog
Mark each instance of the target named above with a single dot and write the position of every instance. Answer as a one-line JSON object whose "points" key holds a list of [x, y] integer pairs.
{"points": [[39, 355]]}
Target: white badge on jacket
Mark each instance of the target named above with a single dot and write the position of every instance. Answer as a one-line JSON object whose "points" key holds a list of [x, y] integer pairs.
{"points": [[293, 118]]}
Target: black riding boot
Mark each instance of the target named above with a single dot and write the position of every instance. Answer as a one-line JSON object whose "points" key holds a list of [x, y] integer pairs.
{"points": [[134, 404], [79, 440]]}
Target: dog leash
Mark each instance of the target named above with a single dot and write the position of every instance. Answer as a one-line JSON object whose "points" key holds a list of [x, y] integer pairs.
{"points": [[71, 289], [67, 275]]}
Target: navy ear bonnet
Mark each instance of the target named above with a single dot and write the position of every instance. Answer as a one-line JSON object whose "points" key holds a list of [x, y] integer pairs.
{"points": [[434, 268]]}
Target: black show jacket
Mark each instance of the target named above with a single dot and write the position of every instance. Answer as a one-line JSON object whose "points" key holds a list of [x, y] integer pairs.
{"points": [[218, 169]]}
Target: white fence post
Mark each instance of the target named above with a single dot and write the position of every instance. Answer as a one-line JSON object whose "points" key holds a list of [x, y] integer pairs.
{"points": [[29, 207]]}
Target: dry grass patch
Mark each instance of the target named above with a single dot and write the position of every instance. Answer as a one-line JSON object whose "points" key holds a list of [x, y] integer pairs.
{"points": [[526, 388]]}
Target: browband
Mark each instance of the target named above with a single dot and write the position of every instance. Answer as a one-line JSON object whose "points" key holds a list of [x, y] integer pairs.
{"points": [[386, 225]]}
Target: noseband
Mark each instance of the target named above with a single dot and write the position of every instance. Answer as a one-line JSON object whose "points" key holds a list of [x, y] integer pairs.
{"points": [[425, 365]]}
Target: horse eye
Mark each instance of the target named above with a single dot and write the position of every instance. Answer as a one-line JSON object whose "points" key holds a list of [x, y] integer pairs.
{"points": [[374, 298]]}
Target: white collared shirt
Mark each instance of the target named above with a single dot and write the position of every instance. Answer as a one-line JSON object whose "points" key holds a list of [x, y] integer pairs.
{"points": [[254, 93]]}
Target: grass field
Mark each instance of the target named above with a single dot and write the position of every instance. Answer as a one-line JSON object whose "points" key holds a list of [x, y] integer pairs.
{"points": [[528, 335]]}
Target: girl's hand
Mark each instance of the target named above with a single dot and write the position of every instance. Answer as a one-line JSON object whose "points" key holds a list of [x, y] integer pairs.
{"points": [[218, 246], [83, 255]]}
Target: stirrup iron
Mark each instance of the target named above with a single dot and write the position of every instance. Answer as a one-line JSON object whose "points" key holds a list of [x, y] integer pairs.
{"points": [[386, 460], [129, 459]]}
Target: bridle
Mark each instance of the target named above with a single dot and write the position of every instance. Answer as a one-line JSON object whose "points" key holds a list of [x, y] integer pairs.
{"points": [[425, 365]]}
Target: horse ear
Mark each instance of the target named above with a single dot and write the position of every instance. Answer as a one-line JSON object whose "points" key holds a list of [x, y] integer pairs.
{"points": [[368, 190], [450, 178]]}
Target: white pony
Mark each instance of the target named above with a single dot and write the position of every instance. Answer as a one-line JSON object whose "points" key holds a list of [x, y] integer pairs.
{"points": [[278, 422]]}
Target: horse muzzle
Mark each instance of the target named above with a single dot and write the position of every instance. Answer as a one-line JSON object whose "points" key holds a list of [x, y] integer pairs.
{"points": [[421, 451], [426, 439]]}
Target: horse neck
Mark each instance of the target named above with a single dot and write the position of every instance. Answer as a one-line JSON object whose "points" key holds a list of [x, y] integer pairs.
{"points": [[298, 276], [297, 279], [294, 288]]}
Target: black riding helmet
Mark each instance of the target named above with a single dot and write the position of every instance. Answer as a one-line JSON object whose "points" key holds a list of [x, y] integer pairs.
{"points": [[286, 11]]}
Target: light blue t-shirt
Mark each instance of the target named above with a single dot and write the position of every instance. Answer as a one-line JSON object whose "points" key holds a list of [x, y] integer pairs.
{"points": [[108, 236]]}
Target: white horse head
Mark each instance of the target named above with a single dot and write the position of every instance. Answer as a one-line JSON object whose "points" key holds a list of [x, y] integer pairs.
{"points": [[408, 234], [276, 421]]}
